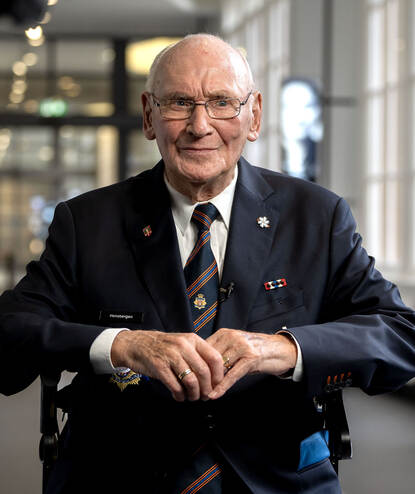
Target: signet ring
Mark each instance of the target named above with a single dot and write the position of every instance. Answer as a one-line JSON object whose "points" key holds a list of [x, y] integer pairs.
{"points": [[226, 362]]}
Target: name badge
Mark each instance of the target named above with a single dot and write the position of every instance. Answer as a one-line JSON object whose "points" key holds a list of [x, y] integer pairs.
{"points": [[111, 316]]}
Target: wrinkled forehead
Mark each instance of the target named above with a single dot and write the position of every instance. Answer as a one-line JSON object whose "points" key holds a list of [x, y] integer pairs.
{"points": [[202, 68]]}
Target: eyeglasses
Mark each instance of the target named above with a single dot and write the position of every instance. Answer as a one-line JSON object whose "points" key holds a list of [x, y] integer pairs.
{"points": [[181, 108]]}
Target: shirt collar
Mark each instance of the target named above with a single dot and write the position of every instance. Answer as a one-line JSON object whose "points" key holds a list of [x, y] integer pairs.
{"points": [[182, 207]]}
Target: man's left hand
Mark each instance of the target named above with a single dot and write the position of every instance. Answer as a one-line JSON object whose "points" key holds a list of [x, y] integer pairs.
{"points": [[252, 353]]}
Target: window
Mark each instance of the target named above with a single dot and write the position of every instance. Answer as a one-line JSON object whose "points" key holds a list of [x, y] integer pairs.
{"points": [[39, 167], [85, 145], [262, 30], [389, 178]]}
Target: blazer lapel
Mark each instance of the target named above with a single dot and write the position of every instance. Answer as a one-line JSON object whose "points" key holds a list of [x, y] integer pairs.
{"points": [[248, 246], [153, 239]]}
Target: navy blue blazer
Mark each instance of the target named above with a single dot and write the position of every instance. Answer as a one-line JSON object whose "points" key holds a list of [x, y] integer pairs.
{"points": [[351, 324]]}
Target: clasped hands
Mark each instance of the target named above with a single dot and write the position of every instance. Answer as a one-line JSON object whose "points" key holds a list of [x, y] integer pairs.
{"points": [[165, 356]]}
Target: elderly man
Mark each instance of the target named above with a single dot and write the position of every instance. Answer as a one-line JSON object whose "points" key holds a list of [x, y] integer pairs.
{"points": [[203, 303]]}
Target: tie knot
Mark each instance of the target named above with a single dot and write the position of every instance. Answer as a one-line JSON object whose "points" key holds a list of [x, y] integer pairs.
{"points": [[204, 215]]}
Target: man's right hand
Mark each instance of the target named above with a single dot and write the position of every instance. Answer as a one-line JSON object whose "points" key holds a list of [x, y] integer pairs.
{"points": [[164, 356]]}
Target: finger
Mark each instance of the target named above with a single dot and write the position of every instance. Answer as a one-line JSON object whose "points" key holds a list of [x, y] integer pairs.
{"points": [[207, 364], [190, 384], [189, 381], [182, 356], [239, 370], [199, 381], [225, 342], [169, 379], [201, 371], [213, 359]]}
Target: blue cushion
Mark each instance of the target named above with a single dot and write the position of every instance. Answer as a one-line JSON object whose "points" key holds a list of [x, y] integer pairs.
{"points": [[313, 449]]}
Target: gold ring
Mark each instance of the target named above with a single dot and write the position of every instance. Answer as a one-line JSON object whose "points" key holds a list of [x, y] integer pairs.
{"points": [[184, 374], [226, 361]]}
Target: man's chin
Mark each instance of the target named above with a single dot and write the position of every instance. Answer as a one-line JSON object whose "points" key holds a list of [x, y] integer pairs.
{"points": [[201, 174]]}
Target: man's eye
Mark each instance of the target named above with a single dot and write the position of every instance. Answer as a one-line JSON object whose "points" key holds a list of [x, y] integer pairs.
{"points": [[221, 103], [182, 103]]}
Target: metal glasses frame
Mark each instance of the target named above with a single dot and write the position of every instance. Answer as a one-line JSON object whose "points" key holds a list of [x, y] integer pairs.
{"points": [[205, 104]]}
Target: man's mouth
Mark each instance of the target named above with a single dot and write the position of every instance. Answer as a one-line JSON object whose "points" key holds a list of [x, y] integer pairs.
{"points": [[197, 149]]}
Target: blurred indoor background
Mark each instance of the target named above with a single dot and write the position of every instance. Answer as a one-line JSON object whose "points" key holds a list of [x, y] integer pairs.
{"points": [[338, 81]]}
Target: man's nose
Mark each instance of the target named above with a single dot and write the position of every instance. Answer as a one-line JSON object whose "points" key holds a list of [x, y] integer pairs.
{"points": [[199, 121]]}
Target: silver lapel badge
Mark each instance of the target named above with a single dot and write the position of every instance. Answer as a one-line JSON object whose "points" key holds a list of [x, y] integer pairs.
{"points": [[263, 222]]}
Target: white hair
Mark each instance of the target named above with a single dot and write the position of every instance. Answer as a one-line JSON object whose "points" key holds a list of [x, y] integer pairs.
{"points": [[150, 83]]}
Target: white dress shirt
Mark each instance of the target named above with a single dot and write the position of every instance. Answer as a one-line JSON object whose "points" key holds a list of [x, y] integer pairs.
{"points": [[182, 210]]}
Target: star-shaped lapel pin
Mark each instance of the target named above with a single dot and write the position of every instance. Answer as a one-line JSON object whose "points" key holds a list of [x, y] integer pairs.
{"points": [[263, 222]]}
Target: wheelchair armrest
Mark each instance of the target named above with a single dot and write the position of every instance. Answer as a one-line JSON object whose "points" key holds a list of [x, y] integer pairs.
{"points": [[48, 446], [336, 422]]}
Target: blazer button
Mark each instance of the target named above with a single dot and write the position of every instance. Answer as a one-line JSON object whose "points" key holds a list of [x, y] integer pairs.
{"points": [[210, 421], [328, 388]]}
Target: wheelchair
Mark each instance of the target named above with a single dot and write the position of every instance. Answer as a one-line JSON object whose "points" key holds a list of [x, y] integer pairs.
{"points": [[330, 405]]}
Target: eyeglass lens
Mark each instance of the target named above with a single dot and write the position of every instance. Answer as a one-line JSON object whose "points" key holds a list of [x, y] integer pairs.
{"points": [[225, 108]]}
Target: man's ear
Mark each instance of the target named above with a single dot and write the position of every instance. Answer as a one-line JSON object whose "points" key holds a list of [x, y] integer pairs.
{"points": [[256, 111], [147, 116]]}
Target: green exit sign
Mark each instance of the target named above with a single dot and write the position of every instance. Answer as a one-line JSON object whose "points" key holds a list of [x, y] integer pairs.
{"points": [[53, 107]]}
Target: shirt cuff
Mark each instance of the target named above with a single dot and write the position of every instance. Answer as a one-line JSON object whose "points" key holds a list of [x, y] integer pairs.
{"points": [[297, 374], [100, 352]]}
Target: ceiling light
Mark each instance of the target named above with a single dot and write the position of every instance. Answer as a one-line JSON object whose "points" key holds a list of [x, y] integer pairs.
{"points": [[19, 86], [140, 55], [31, 106], [46, 18], [65, 82], [102, 109], [52, 2], [74, 91], [30, 59], [36, 42], [16, 98], [19, 68], [34, 33]]}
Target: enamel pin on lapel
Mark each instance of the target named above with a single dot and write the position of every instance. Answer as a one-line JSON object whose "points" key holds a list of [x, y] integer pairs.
{"points": [[263, 222], [273, 284], [147, 231]]}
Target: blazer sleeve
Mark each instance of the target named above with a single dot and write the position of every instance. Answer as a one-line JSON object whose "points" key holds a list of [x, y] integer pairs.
{"points": [[39, 327], [367, 335]]}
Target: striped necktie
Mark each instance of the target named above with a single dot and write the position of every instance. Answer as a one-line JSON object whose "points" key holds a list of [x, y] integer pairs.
{"points": [[202, 472], [201, 273]]}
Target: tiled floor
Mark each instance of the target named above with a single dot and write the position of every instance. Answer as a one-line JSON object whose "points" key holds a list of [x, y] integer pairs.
{"points": [[382, 428]]}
